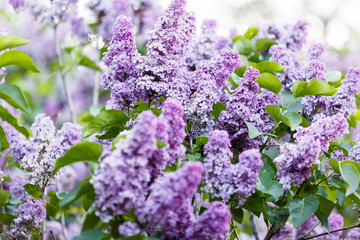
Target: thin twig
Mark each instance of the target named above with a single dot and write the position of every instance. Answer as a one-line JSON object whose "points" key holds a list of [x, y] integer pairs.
{"points": [[234, 228], [63, 226], [322, 234], [310, 230], [96, 89], [62, 75], [256, 234]]}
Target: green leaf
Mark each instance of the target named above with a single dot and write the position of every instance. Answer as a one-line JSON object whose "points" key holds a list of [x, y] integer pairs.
{"points": [[87, 62], [244, 46], [333, 76], [267, 185], [277, 217], [335, 165], [295, 119], [135, 237], [264, 44], [90, 234], [217, 109], [270, 82], [91, 221], [268, 67], [351, 176], [111, 133], [6, 218], [254, 132], [255, 203], [71, 197], [251, 32], [6, 116], [15, 57], [33, 190], [302, 209], [313, 87], [14, 96], [202, 140], [85, 151], [237, 214], [290, 118], [4, 144], [52, 206], [105, 120], [7, 42], [324, 220], [326, 206], [160, 144], [4, 197]]}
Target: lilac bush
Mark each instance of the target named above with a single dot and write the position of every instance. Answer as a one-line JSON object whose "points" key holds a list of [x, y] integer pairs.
{"points": [[174, 134]]}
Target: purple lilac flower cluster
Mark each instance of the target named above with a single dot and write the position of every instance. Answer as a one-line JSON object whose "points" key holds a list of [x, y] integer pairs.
{"points": [[124, 175], [246, 104], [224, 179], [353, 234], [30, 215], [285, 233], [207, 45], [37, 156], [336, 221], [341, 102], [170, 207], [295, 160]]}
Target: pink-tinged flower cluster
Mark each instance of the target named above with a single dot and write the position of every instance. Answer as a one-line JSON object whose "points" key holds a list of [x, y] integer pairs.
{"points": [[207, 45], [336, 221], [29, 216], [246, 104], [223, 179], [354, 234]]}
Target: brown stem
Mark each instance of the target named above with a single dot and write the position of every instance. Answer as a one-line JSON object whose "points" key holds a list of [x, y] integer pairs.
{"points": [[322, 234]]}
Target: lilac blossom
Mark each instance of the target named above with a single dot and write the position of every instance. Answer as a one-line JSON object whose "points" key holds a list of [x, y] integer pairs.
{"points": [[295, 161], [224, 179], [129, 228], [213, 224], [29, 216], [207, 45], [354, 234], [122, 177], [325, 130], [169, 205], [17, 189]]}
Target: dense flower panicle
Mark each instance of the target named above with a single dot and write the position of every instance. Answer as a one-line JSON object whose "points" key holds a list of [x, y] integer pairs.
{"points": [[221, 66], [129, 228], [290, 61], [68, 136], [169, 204], [29, 216], [262, 120], [316, 69], [19, 145], [285, 233], [173, 112], [168, 45], [122, 177], [207, 45], [224, 179], [324, 130], [213, 224], [43, 127], [17, 189], [217, 164], [351, 83], [122, 56], [316, 51], [79, 28], [295, 160], [354, 234], [292, 36]]}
